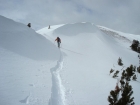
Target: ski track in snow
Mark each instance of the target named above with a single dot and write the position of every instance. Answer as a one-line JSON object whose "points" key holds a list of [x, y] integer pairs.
{"points": [[58, 90]]}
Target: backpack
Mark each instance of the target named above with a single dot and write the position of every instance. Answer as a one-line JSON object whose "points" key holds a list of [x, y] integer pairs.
{"points": [[58, 39]]}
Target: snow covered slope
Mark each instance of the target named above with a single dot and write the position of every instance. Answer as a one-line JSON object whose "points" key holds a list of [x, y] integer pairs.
{"points": [[24, 41], [25, 62], [119, 35], [34, 71], [90, 54]]}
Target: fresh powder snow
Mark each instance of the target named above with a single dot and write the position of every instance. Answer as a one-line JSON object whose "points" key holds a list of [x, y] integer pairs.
{"points": [[34, 71]]}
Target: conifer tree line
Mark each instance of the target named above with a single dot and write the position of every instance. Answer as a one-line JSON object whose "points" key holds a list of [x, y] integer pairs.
{"points": [[122, 95], [135, 46]]}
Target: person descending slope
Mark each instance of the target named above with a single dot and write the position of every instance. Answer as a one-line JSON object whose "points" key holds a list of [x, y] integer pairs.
{"points": [[58, 41]]}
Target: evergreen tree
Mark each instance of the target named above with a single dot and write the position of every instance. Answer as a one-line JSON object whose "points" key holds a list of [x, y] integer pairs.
{"points": [[134, 77], [112, 98], [126, 89], [138, 69], [128, 73], [111, 71], [122, 84], [116, 74], [126, 96], [135, 45], [125, 99], [120, 62]]}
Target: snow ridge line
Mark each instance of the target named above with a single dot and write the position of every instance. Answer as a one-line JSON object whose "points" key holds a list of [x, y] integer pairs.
{"points": [[58, 90]]}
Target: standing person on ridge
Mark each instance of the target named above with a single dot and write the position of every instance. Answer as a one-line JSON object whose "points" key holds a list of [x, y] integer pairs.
{"points": [[58, 41]]}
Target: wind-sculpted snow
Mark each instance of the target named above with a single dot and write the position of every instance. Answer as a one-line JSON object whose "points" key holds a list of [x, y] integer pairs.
{"points": [[24, 41], [75, 29], [11, 25]]}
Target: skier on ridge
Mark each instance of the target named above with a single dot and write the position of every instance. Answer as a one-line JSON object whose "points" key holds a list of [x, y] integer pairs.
{"points": [[58, 41]]}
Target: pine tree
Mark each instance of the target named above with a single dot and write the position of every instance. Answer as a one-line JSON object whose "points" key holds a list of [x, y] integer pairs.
{"points": [[125, 99], [134, 45], [120, 62], [126, 95], [116, 74], [134, 77], [111, 71], [126, 89], [122, 84], [138, 69], [112, 98], [128, 73]]}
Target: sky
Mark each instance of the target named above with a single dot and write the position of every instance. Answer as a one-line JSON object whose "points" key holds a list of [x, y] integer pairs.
{"points": [[121, 15]]}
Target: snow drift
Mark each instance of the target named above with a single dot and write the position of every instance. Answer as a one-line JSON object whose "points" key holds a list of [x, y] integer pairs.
{"points": [[22, 40], [25, 62]]}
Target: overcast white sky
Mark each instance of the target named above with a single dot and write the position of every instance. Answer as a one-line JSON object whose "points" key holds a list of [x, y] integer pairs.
{"points": [[121, 15]]}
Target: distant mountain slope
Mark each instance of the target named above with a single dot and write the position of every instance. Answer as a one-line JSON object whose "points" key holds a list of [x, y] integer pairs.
{"points": [[24, 41], [119, 35]]}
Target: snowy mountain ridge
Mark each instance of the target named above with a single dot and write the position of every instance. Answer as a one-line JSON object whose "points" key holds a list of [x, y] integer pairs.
{"points": [[35, 72], [119, 35]]}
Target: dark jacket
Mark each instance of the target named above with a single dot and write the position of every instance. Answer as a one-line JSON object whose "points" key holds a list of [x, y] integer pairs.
{"points": [[58, 39]]}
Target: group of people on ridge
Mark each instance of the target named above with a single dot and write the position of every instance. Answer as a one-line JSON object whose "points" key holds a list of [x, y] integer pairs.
{"points": [[57, 39]]}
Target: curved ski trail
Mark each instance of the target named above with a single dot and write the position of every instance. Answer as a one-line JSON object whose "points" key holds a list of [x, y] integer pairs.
{"points": [[58, 90]]}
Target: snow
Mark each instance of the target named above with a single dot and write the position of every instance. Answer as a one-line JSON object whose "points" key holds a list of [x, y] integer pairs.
{"points": [[125, 36], [34, 71]]}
